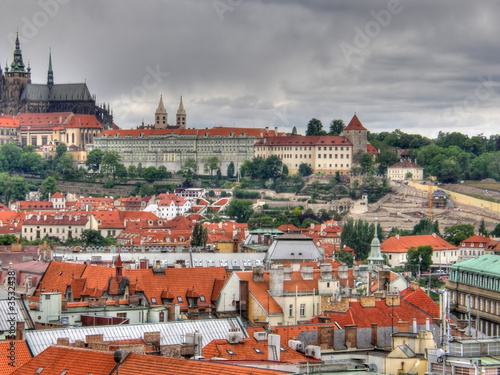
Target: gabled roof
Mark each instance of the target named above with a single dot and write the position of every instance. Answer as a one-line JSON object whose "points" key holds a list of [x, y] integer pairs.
{"points": [[8, 122], [402, 244], [355, 124], [474, 241], [57, 195], [371, 150], [58, 276]]}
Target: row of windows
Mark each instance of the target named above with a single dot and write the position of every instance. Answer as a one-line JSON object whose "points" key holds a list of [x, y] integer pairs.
{"points": [[63, 230], [476, 280], [479, 303], [330, 156]]}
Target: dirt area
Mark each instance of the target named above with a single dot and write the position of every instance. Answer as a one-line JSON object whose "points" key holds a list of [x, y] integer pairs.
{"points": [[405, 207]]}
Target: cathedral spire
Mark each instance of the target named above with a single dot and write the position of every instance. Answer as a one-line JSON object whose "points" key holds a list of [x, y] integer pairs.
{"points": [[161, 115], [17, 65], [50, 73], [181, 116]]}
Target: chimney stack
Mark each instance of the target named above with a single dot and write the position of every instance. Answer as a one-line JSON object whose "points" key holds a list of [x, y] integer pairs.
{"points": [[276, 278]]}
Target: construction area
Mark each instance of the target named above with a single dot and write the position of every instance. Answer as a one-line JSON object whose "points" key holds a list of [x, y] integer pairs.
{"points": [[406, 206]]}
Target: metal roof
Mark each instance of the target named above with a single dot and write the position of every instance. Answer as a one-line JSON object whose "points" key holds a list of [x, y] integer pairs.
{"points": [[19, 312], [171, 333], [486, 264], [59, 92]]}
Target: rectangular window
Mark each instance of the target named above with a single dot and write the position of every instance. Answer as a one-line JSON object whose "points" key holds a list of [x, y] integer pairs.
{"points": [[121, 315], [302, 309], [290, 311]]}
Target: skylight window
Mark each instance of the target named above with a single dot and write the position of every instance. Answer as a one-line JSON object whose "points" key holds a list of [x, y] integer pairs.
{"points": [[257, 350], [230, 352], [202, 299], [179, 299]]}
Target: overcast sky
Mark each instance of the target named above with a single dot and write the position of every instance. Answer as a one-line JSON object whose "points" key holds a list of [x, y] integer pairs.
{"points": [[420, 66]]}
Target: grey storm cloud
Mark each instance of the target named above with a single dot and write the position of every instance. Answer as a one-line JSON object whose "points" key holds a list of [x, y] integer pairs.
{"points": [[419, 66]]}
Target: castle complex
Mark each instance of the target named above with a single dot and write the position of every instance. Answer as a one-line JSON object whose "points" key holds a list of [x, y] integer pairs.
{"points": [[19, 95]]}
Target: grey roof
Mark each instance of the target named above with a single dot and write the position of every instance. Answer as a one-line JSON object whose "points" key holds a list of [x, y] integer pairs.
{"points": [[19, 313], [171, 333], [293, 247], [59, 92], [407, 351]]}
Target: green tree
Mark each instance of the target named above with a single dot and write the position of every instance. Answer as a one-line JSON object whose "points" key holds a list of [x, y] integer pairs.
{"points": [[13, 188], [358, 236], [94, 159], [110, 161], [65, 163], [132, 171], [92, 237], [7, 239], [419, 259], [305, 170], [336, 127], [150, 174], [345, 257], [496, 231], [61, 149], [30, 161], [190, 167], [230, 170], [121, 171], [11, 155], [425, 227], [386, 159], [200, 235], [294, 130], [48, 187], [162, 173], [241, 209], [272, 168], [366, 163], [211, 165], [315, 127], [457, 233], [482, 231]]}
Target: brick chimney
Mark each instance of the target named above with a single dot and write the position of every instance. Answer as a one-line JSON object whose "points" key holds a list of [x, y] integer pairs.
{"points": [[276, 278], [392, 300], [403, 327], [19, 330], [258, 274], [307, 272], [351, 336]]}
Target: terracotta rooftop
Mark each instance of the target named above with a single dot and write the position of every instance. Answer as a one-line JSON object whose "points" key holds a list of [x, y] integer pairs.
{"points": [[21, 353], [355, 124], [400, 244]]}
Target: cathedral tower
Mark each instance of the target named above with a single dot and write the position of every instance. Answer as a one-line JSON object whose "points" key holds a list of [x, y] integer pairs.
{"points": [[181, 116], [17, 77], [161, 116]]}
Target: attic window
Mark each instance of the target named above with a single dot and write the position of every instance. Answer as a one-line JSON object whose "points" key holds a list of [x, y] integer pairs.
{"points": [[230, 352], [64, 372], [282, 350], [60, 273], [257, 350], [39, 371], [202, 299], [179, 299], [153, 300]]}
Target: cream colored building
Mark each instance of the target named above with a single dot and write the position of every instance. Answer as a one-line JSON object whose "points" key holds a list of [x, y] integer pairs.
{"points": [[280, 296], [400, 170], [60, 225], [324, 154]]}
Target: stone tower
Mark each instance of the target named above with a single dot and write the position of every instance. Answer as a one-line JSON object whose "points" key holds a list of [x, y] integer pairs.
{"points": [[181, 116], [357, 135], [16, 79], [161, 116]]}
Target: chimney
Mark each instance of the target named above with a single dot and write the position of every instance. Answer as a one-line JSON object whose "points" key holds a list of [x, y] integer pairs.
{"points": [[258, 274], [414, 286], [276, 277], [415, 327], [392, 300], [19, 330], [351, 336], [343, 271], [355, 270], [307, 273], [374, 335], [287, 273], [427, 324], [326, 270], [403, 327]]}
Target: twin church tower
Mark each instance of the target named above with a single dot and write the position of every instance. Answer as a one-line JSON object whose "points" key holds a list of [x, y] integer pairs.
{"points": [[161, 117]]}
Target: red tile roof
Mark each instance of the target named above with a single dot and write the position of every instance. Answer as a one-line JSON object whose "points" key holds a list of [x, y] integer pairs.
{"points": [[355, 124], [55, 360], [152, 365], [58, 276], [371, 150], [474, 241], [402, 244], [57, 219], [84, 122], [21, 356], [57, 195], [33, 205], [245, 351], [298, 140], [214, 132], [8, 122], [406, 164]]}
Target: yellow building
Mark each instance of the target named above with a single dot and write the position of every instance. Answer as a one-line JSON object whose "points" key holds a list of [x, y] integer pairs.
{"points": [[404, 170]]}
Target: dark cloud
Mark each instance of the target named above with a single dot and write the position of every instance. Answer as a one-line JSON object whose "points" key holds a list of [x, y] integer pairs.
{"points": [[422, 66]]}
